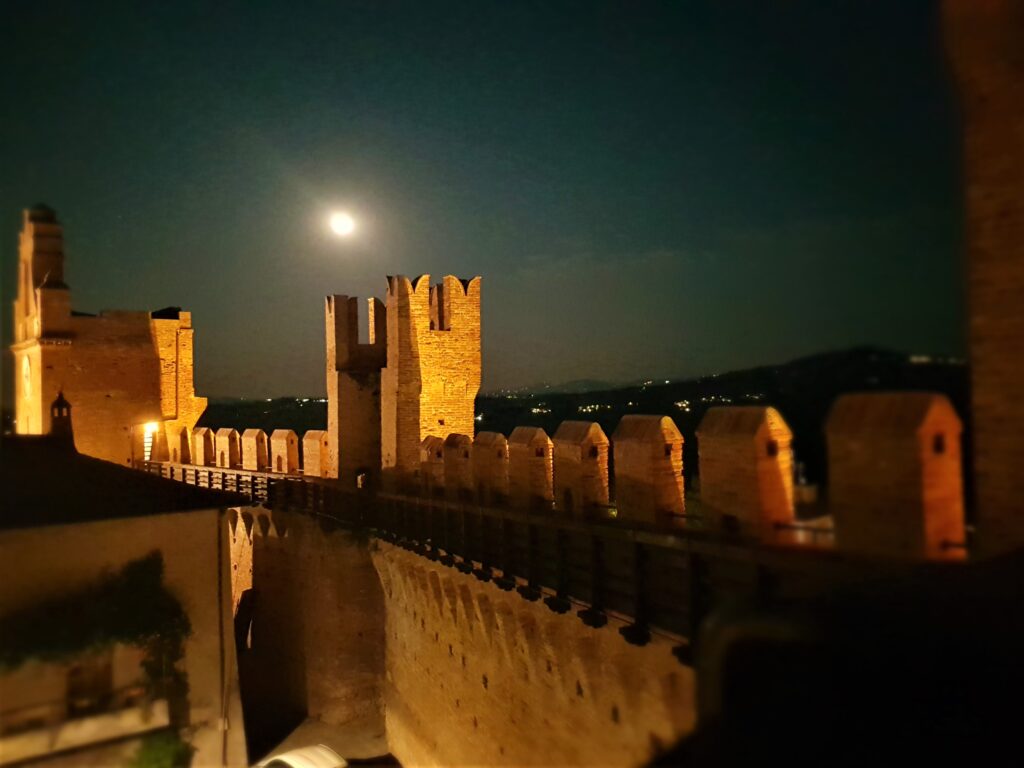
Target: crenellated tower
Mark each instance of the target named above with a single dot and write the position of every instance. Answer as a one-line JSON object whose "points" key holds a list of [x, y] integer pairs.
{"points": [[128, 373], [432, 376], [353, 390]]}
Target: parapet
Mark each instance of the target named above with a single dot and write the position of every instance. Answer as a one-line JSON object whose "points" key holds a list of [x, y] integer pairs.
{"points": [[432, 465], [314, 453], [531, 468], [490, 467], [180, 444], [458, 467], [202, 451], [254, 450], [649, 469], [344, 351], [229, 449], [895, 475], [284, 451], [580, 467], [746, 464]]}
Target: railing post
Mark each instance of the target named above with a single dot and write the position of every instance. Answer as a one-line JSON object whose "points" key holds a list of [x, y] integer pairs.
{"points": [[638, 633], [559, 602], [594, 615], [531, 590]]}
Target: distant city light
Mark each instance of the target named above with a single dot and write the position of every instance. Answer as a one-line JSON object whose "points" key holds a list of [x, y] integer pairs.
{"points": [[342, 224], [479, 417]]}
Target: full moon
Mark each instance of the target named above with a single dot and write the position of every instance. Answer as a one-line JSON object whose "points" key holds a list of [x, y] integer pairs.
{"points": [[342, 224]]}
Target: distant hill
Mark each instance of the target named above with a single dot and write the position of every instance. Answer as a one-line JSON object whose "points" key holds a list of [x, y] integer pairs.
{"points": [[802, 390]]}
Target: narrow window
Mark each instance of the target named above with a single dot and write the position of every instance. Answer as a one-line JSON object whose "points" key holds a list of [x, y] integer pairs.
{"points": [[772, 448], [540, 452], [593, 451], [939, 443], [668, 450]]}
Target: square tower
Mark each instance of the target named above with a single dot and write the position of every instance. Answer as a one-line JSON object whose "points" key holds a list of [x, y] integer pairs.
{"points": [[353, 390], [432, 377]]}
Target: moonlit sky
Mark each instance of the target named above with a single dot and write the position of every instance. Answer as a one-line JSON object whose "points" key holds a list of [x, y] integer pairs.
{"points": [[648, 189]]}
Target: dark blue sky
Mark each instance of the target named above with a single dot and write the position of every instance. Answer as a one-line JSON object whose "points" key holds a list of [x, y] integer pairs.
{"points": [[648, 189]]}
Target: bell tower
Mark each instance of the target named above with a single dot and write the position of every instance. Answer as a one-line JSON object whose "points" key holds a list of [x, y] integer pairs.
{"points": [[42, 318]]}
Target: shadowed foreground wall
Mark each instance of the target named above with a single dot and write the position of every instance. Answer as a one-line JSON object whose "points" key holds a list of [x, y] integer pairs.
{"points": [[478, 676], [317, 630]]}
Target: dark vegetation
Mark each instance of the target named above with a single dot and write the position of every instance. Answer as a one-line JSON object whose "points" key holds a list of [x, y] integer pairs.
{"points": [[131, 606]]}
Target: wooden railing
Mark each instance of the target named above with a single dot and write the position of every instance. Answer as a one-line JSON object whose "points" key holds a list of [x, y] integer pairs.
{"points": [[657, 579]]}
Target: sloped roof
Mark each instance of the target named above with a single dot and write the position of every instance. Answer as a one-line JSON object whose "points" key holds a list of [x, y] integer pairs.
{"points": [[457, 440], [489, 439], [47, 483], [646, 429], [227, 432], [577, 432], [202, 431], [314, 434], [528, 436], [741, 421], [888, 413], [283, 434], [251, 433]]}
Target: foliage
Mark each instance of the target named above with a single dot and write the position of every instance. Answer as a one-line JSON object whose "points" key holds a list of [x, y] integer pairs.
{"points": [[165, 749], [131, 606]]}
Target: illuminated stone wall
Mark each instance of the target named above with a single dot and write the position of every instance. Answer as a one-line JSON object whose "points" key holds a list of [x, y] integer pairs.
{"points": [[432, 377], [649, 469], [580, 467], [353, 390], [119, 370], [746, 464], [284, 451], [478, 676]]}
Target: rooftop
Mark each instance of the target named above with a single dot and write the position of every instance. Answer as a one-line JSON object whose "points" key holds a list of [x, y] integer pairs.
{"points": [[45, 482]]}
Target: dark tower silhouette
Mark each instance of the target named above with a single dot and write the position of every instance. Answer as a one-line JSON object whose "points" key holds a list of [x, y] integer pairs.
{"points": [[60, 421]]}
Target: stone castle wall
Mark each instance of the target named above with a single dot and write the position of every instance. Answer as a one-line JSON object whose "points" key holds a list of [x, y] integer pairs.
{"points": [[119, 370]]}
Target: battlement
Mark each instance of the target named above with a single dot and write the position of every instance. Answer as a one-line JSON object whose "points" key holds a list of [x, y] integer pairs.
{"points": [[432, 377], [344, 350]]}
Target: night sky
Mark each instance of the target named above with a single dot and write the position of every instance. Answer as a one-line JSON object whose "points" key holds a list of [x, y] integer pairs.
{"points": [[648, 189]]}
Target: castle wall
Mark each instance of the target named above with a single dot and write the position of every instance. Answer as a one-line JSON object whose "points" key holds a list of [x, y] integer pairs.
{"points": [[746, 465], [315, 453], [432, 466], [478, 676], [649, 469], [354, 390], [284, 451], [895, 475], [531, 468], [490, 467], [983, 40], [228, 448], [458, 467], [580, 468], [203, 453], [317, 631], [119, 370], [255, 456], [432, 377]]}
